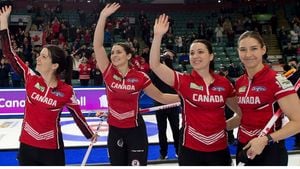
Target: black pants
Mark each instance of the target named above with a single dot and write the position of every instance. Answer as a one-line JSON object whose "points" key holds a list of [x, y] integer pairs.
{"points": [[128, 146], [162, 117], [189, 157], [274, 154], [84, 82], [33, 156]]}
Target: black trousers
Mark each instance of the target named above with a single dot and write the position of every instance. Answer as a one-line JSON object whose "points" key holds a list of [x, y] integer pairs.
{"points": [[33, 156], [162, 117], [189, 157], [84, 82], [274, 154], [128, 146]]}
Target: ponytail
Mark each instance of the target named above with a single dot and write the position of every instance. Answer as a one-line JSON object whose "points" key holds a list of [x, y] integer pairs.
{"points": [[64, 60]]}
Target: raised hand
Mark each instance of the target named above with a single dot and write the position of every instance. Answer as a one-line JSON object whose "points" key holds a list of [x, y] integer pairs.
{"points": [[109, 9], [4, 13], [161, 25]]}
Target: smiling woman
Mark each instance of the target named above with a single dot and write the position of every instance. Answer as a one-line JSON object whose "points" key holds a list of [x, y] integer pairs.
{"points": [[124, 86], [204, 96], [261, 92], [41, 141]]}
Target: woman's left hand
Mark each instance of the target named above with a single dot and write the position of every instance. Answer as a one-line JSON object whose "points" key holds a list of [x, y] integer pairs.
{"points": [[256, 146], [161, 25], [95, 137]]}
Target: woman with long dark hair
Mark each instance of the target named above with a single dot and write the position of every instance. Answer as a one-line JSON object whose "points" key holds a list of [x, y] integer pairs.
{"points": [[127, 137], [41, 141]]}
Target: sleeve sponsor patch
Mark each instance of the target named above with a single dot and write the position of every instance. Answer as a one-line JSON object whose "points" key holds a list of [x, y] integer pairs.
{"points": [[283, 82]]}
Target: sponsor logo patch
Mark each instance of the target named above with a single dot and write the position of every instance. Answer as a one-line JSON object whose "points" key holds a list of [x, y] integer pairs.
{"points": [[135, 162], [283, 82], [58, 93], [242, 89], [195, 86], [218, 88], [117, 78], [259, 88], [39, 87], [132, 80]]}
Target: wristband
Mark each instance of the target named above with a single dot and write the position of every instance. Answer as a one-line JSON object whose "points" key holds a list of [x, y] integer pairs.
{"points": [[270, 139]]}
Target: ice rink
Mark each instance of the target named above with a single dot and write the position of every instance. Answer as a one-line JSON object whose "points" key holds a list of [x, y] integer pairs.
{"points": [[73, 139]]}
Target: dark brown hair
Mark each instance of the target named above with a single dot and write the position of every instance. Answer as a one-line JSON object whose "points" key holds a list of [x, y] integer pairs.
{"points": [[209, 48], [126, 47], [65, 62]]}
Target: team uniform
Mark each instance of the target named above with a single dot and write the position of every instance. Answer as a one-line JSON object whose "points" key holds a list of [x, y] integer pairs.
{"points": [[41, 136], [257, 99], [127, 139], [203, 139], [84, 74]]}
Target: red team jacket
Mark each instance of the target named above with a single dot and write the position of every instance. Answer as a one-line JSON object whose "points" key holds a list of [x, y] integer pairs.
{"points": [[84, 71], [203, 110], [123, 95], [257, 99], [41, 127]]}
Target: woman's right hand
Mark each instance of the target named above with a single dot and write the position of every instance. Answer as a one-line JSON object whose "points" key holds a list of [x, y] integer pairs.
{"points": [[109, 9], [101, 114]]}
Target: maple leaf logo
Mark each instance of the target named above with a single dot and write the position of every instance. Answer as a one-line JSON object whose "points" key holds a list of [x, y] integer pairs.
{"points": [[36, 38]]}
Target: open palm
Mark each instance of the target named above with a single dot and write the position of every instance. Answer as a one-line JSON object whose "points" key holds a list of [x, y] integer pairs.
{"points": [[4, 13], [110, 9], [161, 25]]}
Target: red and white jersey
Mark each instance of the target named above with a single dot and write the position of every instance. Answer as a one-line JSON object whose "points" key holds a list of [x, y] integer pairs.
{"points": [[84, 71], [257, 98], [123, 95], [203, 110], [41, 127]]}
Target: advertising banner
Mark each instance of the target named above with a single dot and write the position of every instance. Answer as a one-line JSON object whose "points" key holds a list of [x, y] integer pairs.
{"points": [[12, 101]]}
